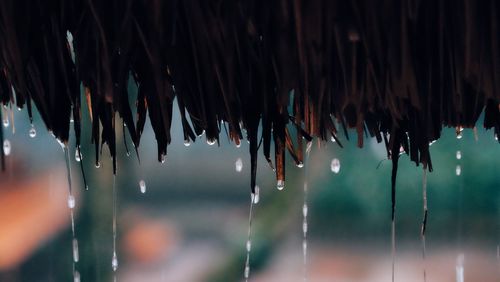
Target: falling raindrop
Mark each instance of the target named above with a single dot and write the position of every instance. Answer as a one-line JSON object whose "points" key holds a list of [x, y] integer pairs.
{"points": [[6, 147], [238, 165], [211, 141], [5, 121], [142, 186], [458, 170], [114, 262], [71, 202], [76, 276], [187, 143], [280, 184], [78, 154], [459, 131], [32, 132], [335, 165], [75, 250], [459, 155], [424, 220], [459, 269]]}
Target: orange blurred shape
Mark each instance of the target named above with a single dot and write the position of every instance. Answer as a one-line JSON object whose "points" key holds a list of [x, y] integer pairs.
{"points": [[31, 212], [149, 240]]}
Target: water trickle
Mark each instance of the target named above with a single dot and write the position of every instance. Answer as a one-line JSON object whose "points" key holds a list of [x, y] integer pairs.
{"points": [[6, 147], [142, 186], [32, 132], [187, 143], [211, 141], [335, 166], [248, 245], [458, 170], [459, 268], [114, 260], [238, 165], [76, 255], [304, 210], [280, 184], [459, 155]]}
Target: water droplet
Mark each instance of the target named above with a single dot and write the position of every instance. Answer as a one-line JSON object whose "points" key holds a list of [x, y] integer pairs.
{"points": [[335, 165], [71, 202], [280, 184], [304, 210], [78, 155], [458, 170], [142, 186], [309, 146], [238, 144], [163, 158], [187, 143], [6, 147], [304, 227], [71, 119], [300, 165], [432, 142], [459, 155], [496, 137], [76, 256], [76, 276], [238, 165], [256, 196], [247, 271], [211, 141], [333, 139], [6, 122], [114, 262], [459, 135], [304, 246], [98, 165], [61, 143], [249, 246]]}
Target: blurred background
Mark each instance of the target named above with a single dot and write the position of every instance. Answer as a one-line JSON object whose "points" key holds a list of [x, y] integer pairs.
{"points": [[191, 223]]}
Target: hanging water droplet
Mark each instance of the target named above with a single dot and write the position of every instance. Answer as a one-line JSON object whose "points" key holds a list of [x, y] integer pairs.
{"points": [[458, 170], [98, 165], [238, 165], [114, 262], [211, 141], [280, 184], [238, 144], [6, 147], [61, 143], [78, 155], [255, 195], [32, 132], [187, 143], [304, 210], [76, 276], [71, 202], [333, 139], [496, 137], [142, 186], [459, 155], [163, 158], [6, 121], [335, 165], [249, 246], [300, 165], [76, 255], [459, 135]]}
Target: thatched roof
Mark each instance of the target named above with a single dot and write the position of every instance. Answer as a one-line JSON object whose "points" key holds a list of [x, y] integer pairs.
{"points": [[274, 72]]}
